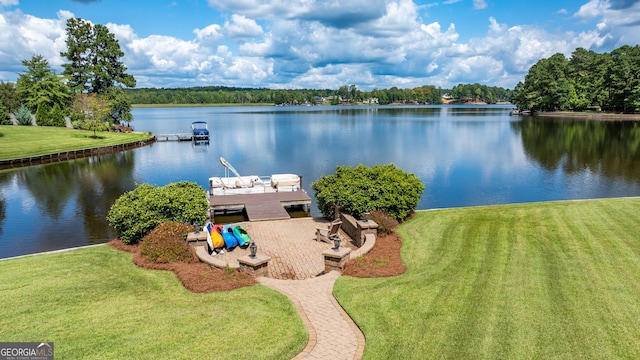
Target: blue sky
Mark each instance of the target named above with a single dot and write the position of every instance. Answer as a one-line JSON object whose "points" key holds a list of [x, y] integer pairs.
{"points": [[322, 43]]}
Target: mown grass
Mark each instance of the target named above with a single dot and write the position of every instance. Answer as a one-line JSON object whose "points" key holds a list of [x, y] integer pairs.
{"points": [[24, 141], [530, 281], [94, 303]]}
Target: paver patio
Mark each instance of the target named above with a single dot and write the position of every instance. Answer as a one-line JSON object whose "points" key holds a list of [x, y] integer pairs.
{"points": [[297, 270]]}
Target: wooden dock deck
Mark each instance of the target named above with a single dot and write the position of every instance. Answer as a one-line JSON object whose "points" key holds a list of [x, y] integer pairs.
{"points": [[179, 137], [261, 206]]}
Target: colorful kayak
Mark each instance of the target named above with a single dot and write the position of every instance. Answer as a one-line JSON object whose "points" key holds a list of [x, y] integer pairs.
{"points": [[241, 234], [230, 240], [214, 236]]}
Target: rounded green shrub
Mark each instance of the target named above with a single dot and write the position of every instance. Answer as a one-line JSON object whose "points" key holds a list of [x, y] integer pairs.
{"points": [[360, 189], [139, 211], [56, 116], [42, 115]]}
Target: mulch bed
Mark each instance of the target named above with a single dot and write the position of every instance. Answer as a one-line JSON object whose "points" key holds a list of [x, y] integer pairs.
{"points": [[197, 277], [383, 260]]}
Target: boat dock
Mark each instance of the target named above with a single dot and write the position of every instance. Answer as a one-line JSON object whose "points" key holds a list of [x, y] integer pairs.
{"points": [[199, 132], [261, 197], [261, 206], [174, 137]]}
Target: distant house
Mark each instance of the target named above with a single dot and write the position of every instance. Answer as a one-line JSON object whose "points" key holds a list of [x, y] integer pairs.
{"points": [[446, 98]]}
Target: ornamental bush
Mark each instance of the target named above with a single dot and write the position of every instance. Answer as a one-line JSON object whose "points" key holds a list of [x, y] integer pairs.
{"points": [[386, 223], [23, 116], [166, 244], [56, 116], [42, 116], [4, 116], [357, 190], [139, 211]]}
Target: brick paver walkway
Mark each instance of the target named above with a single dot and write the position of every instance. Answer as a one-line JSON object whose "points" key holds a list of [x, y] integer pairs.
{"points": [[332, 333], [296, 269]]}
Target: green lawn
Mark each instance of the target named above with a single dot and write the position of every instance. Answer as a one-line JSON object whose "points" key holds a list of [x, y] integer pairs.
{"points": [[94, 303], [24, 141], [543, 280], [533, 281]]}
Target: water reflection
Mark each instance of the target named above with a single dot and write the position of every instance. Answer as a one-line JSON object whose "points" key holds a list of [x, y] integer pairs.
{"points": [[464, 155], [63, 204], [611, 149], [3, 212]]}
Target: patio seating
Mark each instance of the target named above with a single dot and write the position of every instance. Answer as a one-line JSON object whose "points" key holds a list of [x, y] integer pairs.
{"points": [[326, 234]]}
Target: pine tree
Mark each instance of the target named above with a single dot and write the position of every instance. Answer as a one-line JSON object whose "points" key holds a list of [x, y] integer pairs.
{"points": [[94, 55], [40, 85]]}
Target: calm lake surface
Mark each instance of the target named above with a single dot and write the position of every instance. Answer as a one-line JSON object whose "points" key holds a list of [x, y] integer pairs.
{"points": [[464, 155]]}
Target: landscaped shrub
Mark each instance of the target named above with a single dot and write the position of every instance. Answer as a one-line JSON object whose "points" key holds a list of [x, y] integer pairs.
{"points": [[360, 189], [42, 116], [23, 116], [386, 223], [137, 212], [56, 115], [4, 116], [166, 243]]}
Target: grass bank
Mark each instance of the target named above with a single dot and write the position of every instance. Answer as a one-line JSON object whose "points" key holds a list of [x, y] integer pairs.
{"points": [[25, 141], [94, 303], [542, 280]]}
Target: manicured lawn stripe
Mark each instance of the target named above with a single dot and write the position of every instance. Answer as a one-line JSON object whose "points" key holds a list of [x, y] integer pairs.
{"points": [[543, 280], [95, 303]]}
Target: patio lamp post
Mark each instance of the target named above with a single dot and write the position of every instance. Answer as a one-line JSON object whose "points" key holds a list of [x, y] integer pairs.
{"points": [[336, 242], [253, 249]]}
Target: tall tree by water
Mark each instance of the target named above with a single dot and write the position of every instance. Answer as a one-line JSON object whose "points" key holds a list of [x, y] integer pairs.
{"points": [[95, 65], [94, 56]]}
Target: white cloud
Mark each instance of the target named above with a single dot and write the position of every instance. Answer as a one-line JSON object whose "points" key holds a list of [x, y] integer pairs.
{"points": [[479, 4], [8, 2], [593, 8], [209, 34], [242, 27], [22, 36], [617, 20], [317, 44]]}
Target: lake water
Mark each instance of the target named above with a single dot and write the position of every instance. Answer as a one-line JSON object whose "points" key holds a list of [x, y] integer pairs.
{"points": [[464, 155]]}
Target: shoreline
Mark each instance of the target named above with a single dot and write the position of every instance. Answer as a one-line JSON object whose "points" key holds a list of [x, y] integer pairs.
{"points": [[590, 116], [72, 154]]}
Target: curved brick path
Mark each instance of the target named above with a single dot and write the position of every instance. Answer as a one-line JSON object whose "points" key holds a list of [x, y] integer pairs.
{"points": [[332, 333], [296, 270]]}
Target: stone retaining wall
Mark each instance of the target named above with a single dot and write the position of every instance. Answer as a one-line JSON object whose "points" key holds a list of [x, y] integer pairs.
{"points": [[357, 229]]}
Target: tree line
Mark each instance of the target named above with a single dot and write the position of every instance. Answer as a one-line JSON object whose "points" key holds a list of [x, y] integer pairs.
{"points": [[346, 94], [89, 91], [476, 92], [586, 81]]}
